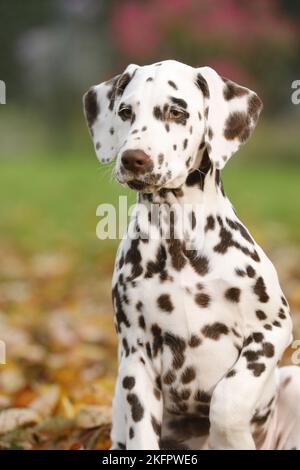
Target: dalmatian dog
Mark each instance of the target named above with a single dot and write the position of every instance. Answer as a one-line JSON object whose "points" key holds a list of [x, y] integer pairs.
{"points": [[201, 326]]}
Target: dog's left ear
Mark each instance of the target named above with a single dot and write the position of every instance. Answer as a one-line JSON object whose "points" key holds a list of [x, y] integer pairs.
{"points": [[99, 105], [230, 112]]}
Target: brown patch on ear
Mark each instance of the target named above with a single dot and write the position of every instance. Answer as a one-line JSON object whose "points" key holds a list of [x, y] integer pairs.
{"points": [[254, 106], [91, 106], [118, 87], [232, 90], [202, 84], [237, 125]]}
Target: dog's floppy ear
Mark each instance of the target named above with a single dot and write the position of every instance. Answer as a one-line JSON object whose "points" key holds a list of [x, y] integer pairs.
{"points": [[99, 104], [230, 112]]}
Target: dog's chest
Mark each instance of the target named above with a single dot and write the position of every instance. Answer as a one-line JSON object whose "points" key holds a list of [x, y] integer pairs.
{"points": [[177, 319]]}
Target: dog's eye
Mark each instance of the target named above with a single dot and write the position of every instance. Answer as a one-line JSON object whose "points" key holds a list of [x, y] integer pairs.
{"points": [[173, 114], [125, 113]]}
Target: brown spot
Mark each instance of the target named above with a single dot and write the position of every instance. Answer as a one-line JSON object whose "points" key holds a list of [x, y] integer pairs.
{"points": [[157, 339], [120, 315], [164, 303], [237, 125], [172, 84], [260, 315], [210, 223], [257, 368], [137, 410], [254, 106], [157, 112], [240, 272], [128, 382], [281, 314], [203, 300], [215, 330], [169, 377], [142, 323], [250, 271], [210, 133], [199, 263], [202, 396], [202, 84], [194, 341], [177, 346], [251, 356], [188, 375], [233, 294], [258, 337], [156, 426], [91, 106], [119, 84], [268, 349], [232, 90], [260, 290], [231, 373], [193, 219]]}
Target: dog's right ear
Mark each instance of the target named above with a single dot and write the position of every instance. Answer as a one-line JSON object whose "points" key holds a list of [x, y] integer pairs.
{"points": [[99, 104]]}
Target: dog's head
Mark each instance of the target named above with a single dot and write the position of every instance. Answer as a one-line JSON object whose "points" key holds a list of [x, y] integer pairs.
{"points": [[156, 121]]}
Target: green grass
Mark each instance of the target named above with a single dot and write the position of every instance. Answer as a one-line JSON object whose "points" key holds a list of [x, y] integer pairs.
{"points": [[49, 204]]}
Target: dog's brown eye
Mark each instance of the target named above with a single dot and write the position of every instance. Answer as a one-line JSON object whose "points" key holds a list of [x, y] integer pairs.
{"points": [[125, 113], [173, 114]]}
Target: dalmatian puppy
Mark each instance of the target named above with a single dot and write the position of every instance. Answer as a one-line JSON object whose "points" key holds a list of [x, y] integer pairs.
{"points": [[201, 329]]}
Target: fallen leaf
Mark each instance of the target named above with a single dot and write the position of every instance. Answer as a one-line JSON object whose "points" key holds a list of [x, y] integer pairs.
{"points": [[17, 417], [47, 402], [91, 416]]}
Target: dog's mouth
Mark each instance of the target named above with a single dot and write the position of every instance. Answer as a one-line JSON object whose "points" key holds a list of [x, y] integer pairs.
{"points": [[137, 185]]}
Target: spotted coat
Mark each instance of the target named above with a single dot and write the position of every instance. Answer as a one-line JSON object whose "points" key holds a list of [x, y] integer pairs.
{"points": [[201, 329]]}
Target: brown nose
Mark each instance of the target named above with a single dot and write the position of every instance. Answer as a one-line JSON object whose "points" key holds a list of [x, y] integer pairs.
{"points": [[136, 161]]}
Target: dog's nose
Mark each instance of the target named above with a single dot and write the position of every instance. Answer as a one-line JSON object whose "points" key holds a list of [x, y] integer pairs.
{"points": [[136, 161]]}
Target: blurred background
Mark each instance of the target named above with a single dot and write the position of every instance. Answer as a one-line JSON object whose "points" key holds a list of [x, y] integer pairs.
{"points": [[55, 275]]}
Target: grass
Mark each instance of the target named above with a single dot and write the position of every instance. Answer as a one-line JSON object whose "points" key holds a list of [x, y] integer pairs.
{"points": [[49, 202]]}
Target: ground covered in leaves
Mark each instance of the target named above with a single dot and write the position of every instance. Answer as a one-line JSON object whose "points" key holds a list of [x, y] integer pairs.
{"points": [[57, 384]]}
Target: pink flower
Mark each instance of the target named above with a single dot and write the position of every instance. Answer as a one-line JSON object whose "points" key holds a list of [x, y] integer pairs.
{"points": [[134, 30]]}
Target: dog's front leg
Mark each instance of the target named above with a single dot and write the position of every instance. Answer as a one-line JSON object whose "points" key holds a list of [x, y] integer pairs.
{"points": [[236, 395], [138, 405], [118, 430]]}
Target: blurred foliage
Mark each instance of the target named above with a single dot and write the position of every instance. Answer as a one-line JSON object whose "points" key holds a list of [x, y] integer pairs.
{"points": [[251, 42], [55, 276]]}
